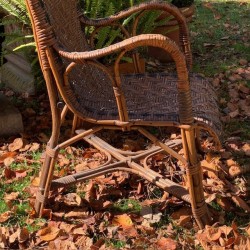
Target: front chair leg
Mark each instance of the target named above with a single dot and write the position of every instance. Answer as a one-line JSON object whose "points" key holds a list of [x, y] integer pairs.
{"points": [[51, 149], [198, 141], [194, 178], [45, 180]]}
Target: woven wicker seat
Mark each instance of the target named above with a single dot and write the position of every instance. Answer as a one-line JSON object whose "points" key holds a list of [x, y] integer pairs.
{"points": [[156, 97], [74, 74]]}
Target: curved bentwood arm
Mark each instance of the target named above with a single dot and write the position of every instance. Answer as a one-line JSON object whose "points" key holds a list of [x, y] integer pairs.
{"points": [[148, 6]]}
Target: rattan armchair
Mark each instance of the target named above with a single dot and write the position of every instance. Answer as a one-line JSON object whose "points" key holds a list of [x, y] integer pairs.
{"points": [[124, 102]]}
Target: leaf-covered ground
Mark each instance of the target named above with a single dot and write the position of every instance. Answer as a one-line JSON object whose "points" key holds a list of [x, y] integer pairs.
{"points": [[122, 211]]}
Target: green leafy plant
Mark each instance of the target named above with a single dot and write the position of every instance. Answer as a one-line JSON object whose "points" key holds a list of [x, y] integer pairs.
{"points": [[18, 35], [127, 205], [102, 8], [17, 16], [17, 9]]}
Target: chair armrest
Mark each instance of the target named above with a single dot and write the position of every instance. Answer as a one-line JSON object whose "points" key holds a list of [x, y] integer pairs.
{"points": [[169, 8], [155, 40]]}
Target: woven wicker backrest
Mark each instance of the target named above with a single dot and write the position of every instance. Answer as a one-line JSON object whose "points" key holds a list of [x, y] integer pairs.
{"points": [[64, 19], [57, 22]]}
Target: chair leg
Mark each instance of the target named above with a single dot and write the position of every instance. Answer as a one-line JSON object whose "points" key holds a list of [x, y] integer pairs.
{"points": [[51, 153], [198, 141], [194, 177], [45, 180], [74, 125]]}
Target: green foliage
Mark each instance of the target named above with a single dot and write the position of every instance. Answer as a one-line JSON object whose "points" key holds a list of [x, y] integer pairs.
{"points": [[17, 9], [102, 8], [127, 205], [22, 205], [107, 35], [18, 19], [19, 38], [116, 244]]}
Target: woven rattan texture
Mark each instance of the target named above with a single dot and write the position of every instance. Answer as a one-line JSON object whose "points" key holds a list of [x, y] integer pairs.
{"points": [[93, 91], [63, 18], [149, 97]]}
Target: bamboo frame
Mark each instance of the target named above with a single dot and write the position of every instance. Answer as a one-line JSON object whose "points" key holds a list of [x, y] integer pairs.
{"points": [[58, 62]]}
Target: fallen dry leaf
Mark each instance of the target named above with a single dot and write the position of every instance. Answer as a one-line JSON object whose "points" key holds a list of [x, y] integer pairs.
{"points": [[7, 155], [234, 171], [225, 203], [26, 147], [166, 244], [34, 147], [183, 220], [81, 167], [123, 220], [13, 237], [98, 244], [231, 162], [84, 242], [234, 113], [77, 213], [243, 62], [80, 231], [20, 173], [248, 230], [72, 199], [35, 182], [209, 45], [184, 211], [67, 227], [246, 149], [8, 161], [49, 233], [10, 197], [5, 216], [90, 191], [47, 213], [244, 89], [211, 167], [99, 205], [132, 145], [210, 197], [129, 231], [9, 174], [16, 145], [243, 243], [213, 234], [226, 230], [59, 244], [222, 241], [23, 235]]}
